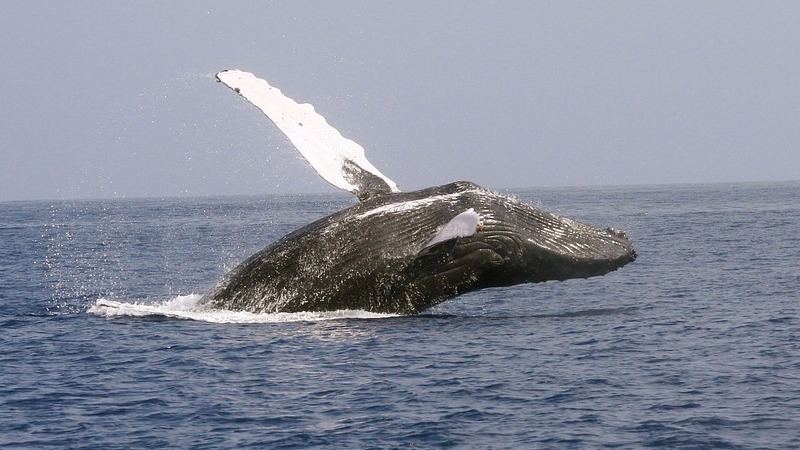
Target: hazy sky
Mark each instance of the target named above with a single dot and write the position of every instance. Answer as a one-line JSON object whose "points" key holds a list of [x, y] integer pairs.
{"points": [[117, 99]]}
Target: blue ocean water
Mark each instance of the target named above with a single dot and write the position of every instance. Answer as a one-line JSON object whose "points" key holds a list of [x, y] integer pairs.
{"points": [[694, 345]]}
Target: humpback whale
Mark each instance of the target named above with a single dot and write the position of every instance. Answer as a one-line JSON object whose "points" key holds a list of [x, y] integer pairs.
{"points": [[400, 252]]}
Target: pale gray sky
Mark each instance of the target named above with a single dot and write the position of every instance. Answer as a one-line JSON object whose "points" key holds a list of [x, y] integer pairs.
{"points": [[117, 99]]}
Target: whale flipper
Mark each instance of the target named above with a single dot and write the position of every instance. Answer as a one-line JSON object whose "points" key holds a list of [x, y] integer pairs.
{"points": [[340, 161]]}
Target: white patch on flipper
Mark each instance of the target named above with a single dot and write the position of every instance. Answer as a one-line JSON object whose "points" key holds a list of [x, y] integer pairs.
{"points": [[462, 225], [320, 144]]}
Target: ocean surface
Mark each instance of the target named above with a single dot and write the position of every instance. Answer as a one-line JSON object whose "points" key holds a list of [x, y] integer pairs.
{"points": [[694, 345]]}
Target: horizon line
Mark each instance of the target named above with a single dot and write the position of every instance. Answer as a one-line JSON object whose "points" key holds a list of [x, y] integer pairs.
{"points": [[346, 194]]}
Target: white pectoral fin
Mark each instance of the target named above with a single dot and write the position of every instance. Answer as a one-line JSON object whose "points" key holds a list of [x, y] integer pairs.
{"points": [[337, 159], [462, 225]]}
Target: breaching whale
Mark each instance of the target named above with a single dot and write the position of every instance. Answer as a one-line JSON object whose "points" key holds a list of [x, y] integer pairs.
{"points": [[400, 252]]}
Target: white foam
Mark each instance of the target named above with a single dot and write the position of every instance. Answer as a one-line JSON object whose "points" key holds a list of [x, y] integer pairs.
{"points": [[320, 144], [188, 307]]}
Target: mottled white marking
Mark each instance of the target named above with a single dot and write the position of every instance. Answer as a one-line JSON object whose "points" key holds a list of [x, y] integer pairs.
{"points": [[412, 204], [320, 144], [462, 225]]}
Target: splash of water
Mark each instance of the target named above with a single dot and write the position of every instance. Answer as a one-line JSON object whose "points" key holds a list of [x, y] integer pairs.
{"points": [[189, 307]]}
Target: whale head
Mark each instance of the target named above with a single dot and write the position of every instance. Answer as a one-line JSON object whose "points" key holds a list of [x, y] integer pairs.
{"points": [[533, 245], [513, 242]]}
